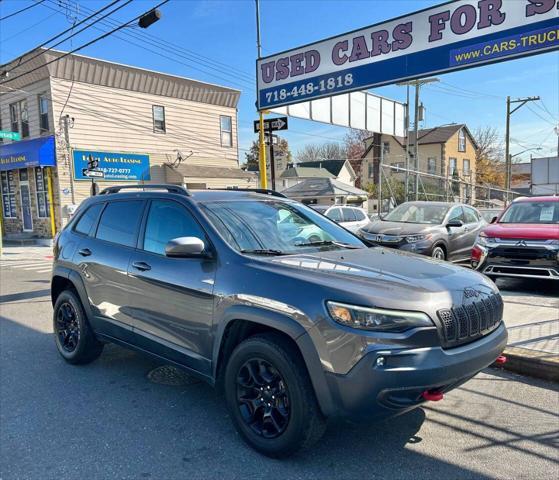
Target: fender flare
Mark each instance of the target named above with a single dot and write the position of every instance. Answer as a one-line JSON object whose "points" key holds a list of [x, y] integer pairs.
{"points": [[287, 325], [75, 279]]}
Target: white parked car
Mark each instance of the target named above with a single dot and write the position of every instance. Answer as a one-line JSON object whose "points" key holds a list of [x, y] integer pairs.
{"points": [[352, 218]]}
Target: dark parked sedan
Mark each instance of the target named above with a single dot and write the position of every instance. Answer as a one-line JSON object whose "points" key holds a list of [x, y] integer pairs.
{"points": [[446, 231]]}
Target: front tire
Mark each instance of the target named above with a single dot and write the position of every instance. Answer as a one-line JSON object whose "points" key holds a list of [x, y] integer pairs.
{"points": [[438, 253], [270, 397], [73, 336]]}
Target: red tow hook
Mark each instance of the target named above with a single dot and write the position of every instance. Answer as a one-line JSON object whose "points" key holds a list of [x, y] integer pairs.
{"points": [[432, 396], [500, 360]]}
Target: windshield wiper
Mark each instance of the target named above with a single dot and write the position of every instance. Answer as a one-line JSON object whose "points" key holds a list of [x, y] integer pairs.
{"points": [[264, 251], [326, 242]]}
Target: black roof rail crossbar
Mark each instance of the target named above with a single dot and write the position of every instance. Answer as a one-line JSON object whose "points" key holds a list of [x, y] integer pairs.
{"points": [[152, 186], [264, 191]]}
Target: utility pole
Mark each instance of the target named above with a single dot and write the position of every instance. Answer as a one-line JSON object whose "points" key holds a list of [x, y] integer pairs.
{"points": [[407, 174], [508, 162], [66, 127], [417, 84], [262, 144]]}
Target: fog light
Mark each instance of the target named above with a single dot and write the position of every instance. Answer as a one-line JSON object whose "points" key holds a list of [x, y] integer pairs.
{"points": [[380, 362]]}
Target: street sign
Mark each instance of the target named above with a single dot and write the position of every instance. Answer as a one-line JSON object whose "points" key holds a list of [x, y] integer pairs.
{"points": [[93, 173], [273, 124], [10, 135], [447, 37]]}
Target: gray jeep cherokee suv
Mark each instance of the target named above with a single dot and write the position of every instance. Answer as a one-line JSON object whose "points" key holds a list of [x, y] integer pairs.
{"points": [[235, 288]]}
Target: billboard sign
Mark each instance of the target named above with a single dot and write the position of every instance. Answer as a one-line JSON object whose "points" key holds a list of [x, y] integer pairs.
{"points": [[121, 167], [451, 36]]}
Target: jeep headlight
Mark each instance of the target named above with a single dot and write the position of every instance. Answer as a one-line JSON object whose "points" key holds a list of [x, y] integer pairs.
{"points": [[418, 238], [377, 319]]}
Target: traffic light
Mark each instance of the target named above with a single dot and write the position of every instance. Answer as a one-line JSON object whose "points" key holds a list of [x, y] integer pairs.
{"points": [[92, 163]]}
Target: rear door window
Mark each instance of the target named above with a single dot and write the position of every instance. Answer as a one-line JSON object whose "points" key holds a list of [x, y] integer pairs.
{"points": [[88, 219], [470, 215], [348, 215], [359, 215], [120, 221]]}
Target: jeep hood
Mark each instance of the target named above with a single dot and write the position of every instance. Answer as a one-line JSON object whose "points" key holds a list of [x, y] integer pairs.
{"points": [[399, 228]]}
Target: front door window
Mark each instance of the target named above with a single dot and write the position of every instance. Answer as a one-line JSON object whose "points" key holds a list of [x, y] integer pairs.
{"points": [[25, 200]]}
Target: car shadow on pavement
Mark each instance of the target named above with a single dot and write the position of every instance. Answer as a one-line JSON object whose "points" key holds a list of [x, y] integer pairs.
{"points": [[107, 420], [15, 297]]}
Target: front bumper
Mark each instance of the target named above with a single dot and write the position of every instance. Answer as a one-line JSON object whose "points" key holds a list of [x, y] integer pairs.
{"points": [[371, 390], [524, 262]]}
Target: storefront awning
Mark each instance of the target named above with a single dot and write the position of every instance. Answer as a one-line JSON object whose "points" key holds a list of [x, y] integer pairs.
{"points": [[28, 153]]}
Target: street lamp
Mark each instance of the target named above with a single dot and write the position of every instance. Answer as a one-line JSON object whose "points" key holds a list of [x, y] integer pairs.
{"points": [[149, 18], [524, 151]]}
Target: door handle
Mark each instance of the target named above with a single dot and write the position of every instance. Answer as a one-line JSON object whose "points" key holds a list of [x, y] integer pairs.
{"points": [[85, 252], [142, 266]]}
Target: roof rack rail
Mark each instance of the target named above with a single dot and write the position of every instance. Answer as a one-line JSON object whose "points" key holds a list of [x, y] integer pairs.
{"points": [[152, 186], [264, 191]]}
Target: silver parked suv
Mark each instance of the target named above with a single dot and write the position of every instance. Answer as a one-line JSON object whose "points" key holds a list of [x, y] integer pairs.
{"points": [[293, 330]]}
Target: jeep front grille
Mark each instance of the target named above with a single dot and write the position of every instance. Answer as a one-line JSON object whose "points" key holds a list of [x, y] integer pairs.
{"points": [[465, 323]]}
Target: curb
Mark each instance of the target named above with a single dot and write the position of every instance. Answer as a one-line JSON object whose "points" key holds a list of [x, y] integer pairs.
{"points": [[531, 363]]}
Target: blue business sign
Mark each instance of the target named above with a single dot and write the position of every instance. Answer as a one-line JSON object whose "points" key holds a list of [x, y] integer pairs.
{"points": [[28, 153], [121, 167], [451, 36]]}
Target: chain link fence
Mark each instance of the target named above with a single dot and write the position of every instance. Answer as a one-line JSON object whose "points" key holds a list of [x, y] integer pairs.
{"points": [[397, 185]]}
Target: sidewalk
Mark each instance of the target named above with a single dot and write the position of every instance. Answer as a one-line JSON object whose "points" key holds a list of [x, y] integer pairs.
{"points": [[532, 319]]}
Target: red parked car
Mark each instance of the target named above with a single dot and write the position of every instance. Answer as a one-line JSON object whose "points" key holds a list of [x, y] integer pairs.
{"points": [[522, 242]]}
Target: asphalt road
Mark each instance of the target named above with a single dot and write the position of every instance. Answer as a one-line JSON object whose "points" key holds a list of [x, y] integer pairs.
{"points": [[107, 420]]}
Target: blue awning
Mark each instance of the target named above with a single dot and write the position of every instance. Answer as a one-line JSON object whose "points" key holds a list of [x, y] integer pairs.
{"points": [[28, 153]]}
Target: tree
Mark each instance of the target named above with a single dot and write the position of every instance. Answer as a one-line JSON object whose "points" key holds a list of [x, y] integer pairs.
{"points": [[489, 156], [355, 143], [313, 152], [253, 155]]}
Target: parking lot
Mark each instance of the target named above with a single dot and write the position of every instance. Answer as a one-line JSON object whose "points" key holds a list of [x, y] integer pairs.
{"points": [[112, 419]]}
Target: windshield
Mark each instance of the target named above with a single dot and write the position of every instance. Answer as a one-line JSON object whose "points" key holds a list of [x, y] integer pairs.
{"points": [[532, 212], [274, 227], [417, 213]]}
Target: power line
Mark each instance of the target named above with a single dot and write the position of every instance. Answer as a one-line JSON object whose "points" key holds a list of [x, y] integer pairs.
{"points": [[91, 42], [167, 44], [19, 65], [165, 49], [4, 40], [537, 114], [22, 10], [65, 31]]}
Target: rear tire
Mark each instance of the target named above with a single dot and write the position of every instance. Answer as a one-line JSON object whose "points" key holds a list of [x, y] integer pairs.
{"points": [[270, 397], [73, 336]]}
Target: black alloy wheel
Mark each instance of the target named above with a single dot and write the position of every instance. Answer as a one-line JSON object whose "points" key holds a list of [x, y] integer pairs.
{"points": [[67, 327], [263, 398]]}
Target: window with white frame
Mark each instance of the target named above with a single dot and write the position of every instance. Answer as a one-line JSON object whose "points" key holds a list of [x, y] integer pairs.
{"points": [[385, 147], [371, 170], [432, 165], [466, 167], [452, 166], [8, 187], [19, 118], [44, 113], [461, 141], [399, 164], [159, 119], [226, 128], [41, 187]]}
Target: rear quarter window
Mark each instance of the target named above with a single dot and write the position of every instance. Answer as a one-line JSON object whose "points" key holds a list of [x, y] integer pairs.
{"points": [[88, 219]]}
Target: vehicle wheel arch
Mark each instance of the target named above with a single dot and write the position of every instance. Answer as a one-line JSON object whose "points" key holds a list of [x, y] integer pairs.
{"points": [[248, 322], [64, 279]]}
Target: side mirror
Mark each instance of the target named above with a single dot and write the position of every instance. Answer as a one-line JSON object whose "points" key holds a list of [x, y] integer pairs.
{"points": [[494, 219], [455, 223], [185, 247]]}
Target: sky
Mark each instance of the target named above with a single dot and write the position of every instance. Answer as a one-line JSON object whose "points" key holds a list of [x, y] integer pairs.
{"points": [[215, 41]]}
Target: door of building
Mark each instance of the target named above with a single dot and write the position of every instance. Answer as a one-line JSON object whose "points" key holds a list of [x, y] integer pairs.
{"points": [[25, 200]]}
